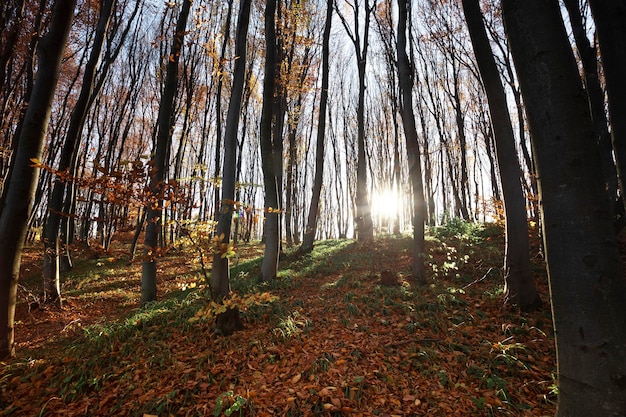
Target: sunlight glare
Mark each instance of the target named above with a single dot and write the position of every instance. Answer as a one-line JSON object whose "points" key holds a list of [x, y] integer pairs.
{"points": [[385, 204]]}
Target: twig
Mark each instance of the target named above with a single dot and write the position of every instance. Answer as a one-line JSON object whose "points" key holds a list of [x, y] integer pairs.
{"points": [[480, 279], [70, 324]]}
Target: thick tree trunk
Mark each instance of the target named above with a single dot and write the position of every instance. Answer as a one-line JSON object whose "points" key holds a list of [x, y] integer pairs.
{"points": [[17, 199], [405, 78], [311, 225], [519, 286], [159, 161], [269, 267], [587, 285]]}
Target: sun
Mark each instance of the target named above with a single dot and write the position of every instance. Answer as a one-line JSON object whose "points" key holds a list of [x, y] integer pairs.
{"points": [[385, 204]]}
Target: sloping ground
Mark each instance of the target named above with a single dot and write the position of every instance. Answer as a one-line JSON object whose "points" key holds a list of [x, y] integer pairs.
{"points": [[335, 343]]}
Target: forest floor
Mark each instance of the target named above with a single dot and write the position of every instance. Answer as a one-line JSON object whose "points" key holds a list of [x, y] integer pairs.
{"points": [[333, 340]]}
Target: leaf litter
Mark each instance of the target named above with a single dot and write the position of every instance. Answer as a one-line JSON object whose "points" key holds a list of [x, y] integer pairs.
{"points": [[332, 340]]}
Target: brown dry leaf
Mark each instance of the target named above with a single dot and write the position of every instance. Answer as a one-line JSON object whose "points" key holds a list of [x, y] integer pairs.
{"points": [[372, 369]]}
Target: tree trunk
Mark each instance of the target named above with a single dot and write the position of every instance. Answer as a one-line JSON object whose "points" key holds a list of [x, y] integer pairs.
{"points": [[587, 284], [405, 78], [51, 278], [364, 225], [159, 162], [589, 60], [141, 220], [311, 225], [609, 16], [230, 321], [18, 193], [519, 287], [269, 266], [363, 220], [218, 109]]}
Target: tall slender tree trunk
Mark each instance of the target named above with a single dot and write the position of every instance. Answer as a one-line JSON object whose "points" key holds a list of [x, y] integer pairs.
{"points": [[363, 221], [19, 192], [51, 278], [364, 224], [519, 288], [159, 161], [587, 285], [218, 109], [589, 59], [405, 77], [461, 192], [311, 225], [229, 321], [269, 267], [609, 16]]}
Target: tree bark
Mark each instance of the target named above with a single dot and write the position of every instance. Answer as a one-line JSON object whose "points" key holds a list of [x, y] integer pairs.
{"points": [[19, 192], [218, 109], [405, 78], [159, 161], [589, 60], [269, 266], [609, 16], [220, 277], [51, 278], [311, 225], [587, 284], [519, 287], [363, 221]]}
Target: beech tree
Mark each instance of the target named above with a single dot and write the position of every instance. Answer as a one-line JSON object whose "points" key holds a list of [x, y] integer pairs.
{"points": [[51, 238], [589, 59], [229, 321], [158, 163], [360, 41], [405, 76], [218, 108], [519, 286], [18, 193], [311, 225], [609, 20], [587, 285], [269, 266]]}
